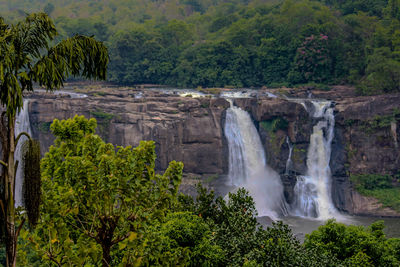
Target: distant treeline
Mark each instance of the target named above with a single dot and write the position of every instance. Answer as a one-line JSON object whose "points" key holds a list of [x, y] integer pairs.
{"points": [[241, 43]]}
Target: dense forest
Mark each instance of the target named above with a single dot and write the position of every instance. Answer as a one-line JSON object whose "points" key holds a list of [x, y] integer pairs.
{"points": [[104, 205], [238, 43]]}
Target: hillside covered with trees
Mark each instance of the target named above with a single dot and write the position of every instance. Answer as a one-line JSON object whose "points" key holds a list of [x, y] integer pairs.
{"points": [[238, 43], [92, 203]]}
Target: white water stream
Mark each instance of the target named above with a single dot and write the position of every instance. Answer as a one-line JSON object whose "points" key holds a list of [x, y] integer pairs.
{"points": [[247, 164], [289, 160], [313, 190], [22, 124]]}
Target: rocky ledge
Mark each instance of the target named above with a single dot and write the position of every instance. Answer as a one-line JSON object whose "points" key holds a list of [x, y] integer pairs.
{"points": [[190, 129], [184, 128]]}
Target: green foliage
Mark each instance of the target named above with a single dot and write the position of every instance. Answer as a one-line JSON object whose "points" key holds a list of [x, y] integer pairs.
{"points": [[205, 231], [274, 125], [240, 43], [380, 122], [26, 57], [388, 197], [353, 244], [382, 73], [98, 200], [185, 239], [312, 61], [242, 239], [372, 7], [382, 187], [371, 181], [102, 115]]}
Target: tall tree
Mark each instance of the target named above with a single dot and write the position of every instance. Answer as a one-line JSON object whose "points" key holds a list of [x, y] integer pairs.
{"points": [[26, 57], [98, 200]]}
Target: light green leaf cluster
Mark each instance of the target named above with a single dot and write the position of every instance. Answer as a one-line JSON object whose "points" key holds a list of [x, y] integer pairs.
{"points": [[354, 245], [99, 200], [27, 57]]}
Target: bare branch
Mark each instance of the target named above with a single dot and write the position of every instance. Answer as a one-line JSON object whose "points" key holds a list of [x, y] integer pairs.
{"points": [[19, 229], [2, 208], [3, 163], [119, 239]]}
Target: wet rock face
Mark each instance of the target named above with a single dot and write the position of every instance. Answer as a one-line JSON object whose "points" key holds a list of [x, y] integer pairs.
{"points": [[191, 130], [366, 142], [281, 121], [184, 128], [277, 120]]}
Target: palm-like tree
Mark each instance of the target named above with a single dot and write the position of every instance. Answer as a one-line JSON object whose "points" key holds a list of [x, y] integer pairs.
{"points": [[26, 57]]}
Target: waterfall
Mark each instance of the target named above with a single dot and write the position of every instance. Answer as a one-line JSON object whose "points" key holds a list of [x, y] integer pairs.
{"points": [[22, 124], [289, 160], [247, 164], [313, 191]]}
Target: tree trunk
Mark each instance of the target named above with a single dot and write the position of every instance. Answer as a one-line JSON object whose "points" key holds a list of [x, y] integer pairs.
{"points": [[106, 255], [11, 238]]}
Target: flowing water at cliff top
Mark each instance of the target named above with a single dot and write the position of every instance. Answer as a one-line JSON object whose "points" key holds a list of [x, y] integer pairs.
{"points": [[62, 92]]}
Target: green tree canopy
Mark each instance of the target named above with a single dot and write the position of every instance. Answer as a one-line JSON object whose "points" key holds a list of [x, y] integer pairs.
{"points": [[355, 245], [27, 57], [99, 200]]}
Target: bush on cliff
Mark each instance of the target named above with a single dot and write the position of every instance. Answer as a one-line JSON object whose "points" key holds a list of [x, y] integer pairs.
{"points": [[385, 188]]}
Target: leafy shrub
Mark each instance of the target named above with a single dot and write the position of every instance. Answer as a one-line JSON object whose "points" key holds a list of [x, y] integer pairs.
{"points": [[381, 187], [354, 245], [371, 181], [184, 239], [274, 125]]}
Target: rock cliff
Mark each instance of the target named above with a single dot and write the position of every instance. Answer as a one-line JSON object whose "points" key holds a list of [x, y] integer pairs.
{"points": [[191, 130], [365, 142], [184, 128]]}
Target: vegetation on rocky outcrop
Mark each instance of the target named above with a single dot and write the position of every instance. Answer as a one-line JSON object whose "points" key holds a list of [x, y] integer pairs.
{"points": [[385, 188]]}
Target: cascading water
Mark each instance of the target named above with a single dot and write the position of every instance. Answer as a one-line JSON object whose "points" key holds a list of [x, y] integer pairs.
{"points": [[289, 160], [247, 164], [313, 191], [22, 124]]}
